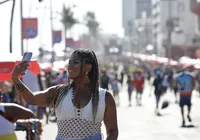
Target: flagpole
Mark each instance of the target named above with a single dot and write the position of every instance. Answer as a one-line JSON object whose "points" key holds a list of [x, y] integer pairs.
{"points": [[64, 39], [21, 18]]}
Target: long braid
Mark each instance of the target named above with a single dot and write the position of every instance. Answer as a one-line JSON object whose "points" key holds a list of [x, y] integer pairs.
{"points": [[93, 75], [95, 98]]}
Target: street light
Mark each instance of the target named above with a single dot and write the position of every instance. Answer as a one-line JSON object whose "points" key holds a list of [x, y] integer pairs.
{"points": [[114, 50]]}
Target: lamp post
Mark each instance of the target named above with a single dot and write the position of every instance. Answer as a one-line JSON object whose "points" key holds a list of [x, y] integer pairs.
{"points": [[21, 19], [11, 21], [51, 28], [131, 34]]}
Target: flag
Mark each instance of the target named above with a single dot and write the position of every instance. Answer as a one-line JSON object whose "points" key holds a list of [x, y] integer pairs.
{"points": [[30, 28], [77, 44], [57, 37], [69, 42]]}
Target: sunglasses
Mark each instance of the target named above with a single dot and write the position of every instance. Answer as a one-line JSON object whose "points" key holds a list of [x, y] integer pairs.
{"points": [[78, 62]]}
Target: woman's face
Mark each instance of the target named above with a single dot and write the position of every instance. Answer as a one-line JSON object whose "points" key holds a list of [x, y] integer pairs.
{"points": [[74, 67]]}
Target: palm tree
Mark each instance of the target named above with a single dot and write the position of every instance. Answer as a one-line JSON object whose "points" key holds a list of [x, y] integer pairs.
{"points": [[68, 19], [92, 23]]}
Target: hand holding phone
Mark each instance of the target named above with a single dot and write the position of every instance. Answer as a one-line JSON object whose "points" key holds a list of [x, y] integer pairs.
{"points": [[21, 68], [27, 57]]}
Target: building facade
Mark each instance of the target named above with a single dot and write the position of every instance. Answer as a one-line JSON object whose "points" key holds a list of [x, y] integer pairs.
{"points": [[132, 12], [162, 10], [195, 8], [128, 14], [184, 37], [143, 6]]}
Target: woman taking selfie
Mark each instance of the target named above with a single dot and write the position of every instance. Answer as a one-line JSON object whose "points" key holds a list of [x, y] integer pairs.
{"points": [[80, 106]]}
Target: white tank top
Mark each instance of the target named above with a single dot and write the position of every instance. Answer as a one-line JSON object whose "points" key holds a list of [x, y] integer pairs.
{"points": [[78, 123], [6, 127]]}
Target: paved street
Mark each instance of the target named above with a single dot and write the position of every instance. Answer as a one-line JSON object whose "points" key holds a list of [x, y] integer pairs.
{"points": [[140, 123]]}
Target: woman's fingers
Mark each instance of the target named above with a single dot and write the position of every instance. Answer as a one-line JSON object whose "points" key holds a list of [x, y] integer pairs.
{"points": [[23, 73], [20, 69], [23, 66]]}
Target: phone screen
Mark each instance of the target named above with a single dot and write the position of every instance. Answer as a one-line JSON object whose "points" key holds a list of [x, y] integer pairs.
{"points": [[27, 56]]}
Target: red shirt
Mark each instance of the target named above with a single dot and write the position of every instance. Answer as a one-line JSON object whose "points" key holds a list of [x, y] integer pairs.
{"points": [[139, 81]]}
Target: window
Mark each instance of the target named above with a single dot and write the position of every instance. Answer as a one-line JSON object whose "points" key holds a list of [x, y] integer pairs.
{"points": [[180, 8], [198, 20]]}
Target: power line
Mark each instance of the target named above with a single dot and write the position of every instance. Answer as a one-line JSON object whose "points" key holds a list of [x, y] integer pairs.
{"points": [[4, 1]]}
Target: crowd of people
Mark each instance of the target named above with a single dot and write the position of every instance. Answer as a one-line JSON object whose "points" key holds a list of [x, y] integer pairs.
{"points": [[180, 81]]}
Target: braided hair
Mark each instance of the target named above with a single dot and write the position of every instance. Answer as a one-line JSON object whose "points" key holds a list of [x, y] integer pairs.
{"points": [[88, 57]]}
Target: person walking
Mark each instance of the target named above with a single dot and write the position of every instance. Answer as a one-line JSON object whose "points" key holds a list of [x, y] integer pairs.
{"points": [[104, 80], [80, 106], [115, 88], [186, 84], [165, 83], [157, 83], [130, 89], [139, 86]]}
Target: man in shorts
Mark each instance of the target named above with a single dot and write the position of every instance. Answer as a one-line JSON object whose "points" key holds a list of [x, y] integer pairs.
{"points": [[186, 84], [139, 86]]}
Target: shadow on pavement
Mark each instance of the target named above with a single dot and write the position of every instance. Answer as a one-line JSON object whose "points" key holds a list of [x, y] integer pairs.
{"points": [[189, 126]]}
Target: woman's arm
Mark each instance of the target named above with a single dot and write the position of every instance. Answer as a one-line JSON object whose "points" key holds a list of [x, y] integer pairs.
{"points": [[110, 118], [42, 98]]}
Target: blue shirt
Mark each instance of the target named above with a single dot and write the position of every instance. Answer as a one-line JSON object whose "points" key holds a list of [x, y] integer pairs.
{"points": [[185, 82]]}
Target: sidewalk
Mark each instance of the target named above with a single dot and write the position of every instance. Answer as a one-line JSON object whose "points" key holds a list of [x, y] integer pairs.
{"points": [[141, 123]]}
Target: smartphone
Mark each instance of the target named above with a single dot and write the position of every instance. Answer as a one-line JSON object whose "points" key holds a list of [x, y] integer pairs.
{"points": [[27, 56]]}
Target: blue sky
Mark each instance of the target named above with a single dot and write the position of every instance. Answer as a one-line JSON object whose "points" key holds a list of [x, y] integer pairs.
{"points": [[108, 13]]}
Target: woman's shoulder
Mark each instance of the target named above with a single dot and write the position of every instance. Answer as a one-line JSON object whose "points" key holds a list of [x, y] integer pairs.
{"points": [[103, 92]]}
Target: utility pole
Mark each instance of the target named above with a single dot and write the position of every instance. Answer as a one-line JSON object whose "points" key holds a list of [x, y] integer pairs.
{"points": [[21, 19], [51, 28], [170, 27], [169, 34], [11, 26]]}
